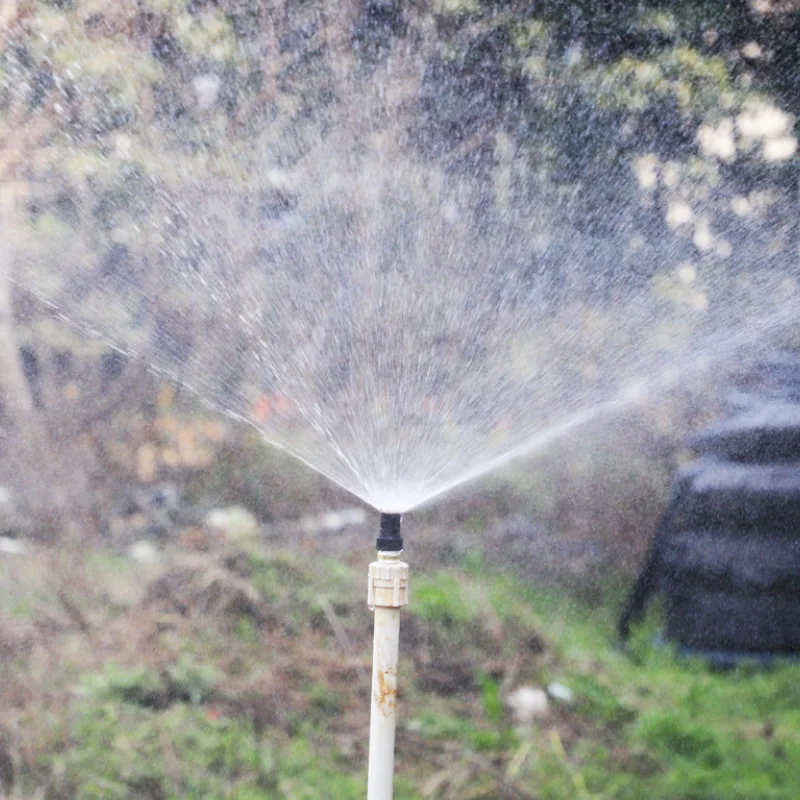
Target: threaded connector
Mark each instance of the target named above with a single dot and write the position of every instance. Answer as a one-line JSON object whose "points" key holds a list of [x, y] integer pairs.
{"points": [[388, 584]]}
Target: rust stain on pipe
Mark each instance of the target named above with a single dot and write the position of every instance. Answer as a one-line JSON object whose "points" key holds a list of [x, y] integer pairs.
{"points": [[386, 693]]}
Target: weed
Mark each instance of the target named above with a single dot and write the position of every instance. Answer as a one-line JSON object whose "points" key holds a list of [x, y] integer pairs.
{"points": [[440, 599], [226, 703], [136, 685], [490, 694], [192, 681]]}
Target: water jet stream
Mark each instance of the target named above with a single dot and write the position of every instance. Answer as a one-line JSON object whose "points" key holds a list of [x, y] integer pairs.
{"points": [[393, 327], [713, 353]]}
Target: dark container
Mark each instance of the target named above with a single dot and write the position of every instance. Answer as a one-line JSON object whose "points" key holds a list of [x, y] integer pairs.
{"points": [[726, 556]]}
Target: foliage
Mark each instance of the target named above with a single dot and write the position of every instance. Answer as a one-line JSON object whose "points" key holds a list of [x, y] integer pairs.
{"points": [[440, 599], [203, 713], [121, 753], [135, 685]]}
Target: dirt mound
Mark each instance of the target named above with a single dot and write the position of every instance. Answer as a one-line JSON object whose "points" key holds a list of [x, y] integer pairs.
{"points": [[201, 587]]}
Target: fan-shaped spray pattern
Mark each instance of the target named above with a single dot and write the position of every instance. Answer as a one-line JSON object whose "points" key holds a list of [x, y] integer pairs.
{"points": [[384, 325]]}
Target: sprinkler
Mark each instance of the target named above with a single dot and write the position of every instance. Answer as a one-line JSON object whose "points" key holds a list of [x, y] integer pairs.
{"points": [[386, 595]]}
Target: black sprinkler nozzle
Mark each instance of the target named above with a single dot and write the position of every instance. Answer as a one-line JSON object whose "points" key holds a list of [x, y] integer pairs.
{"points": [[389, 539]]}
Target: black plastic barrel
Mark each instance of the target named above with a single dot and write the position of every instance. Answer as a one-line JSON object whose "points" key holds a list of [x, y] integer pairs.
{"points": [[726, 556]]}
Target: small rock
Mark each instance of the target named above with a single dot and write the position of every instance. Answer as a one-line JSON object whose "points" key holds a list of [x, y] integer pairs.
{"points": [[337, 520], [527, 703], [234, 523], [145, 552], [207, 87], [10, 519], [12, 547], [561, 693], [334, 521]]}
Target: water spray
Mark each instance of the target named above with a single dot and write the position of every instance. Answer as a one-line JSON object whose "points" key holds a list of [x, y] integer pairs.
{"points": [[387, 593]]}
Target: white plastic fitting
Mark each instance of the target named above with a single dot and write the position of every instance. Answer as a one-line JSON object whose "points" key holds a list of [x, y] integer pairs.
{"points": [[388, 582], [386, 595]]}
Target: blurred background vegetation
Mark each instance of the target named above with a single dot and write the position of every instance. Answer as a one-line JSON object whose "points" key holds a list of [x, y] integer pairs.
{"points": [[656, 139]]}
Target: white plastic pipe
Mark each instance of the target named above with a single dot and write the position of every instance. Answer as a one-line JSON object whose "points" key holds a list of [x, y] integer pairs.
{"points": [[386, 595]]}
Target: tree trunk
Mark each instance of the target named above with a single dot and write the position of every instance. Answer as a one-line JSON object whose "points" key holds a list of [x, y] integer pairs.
{"points": [[14, 386], [43, 481], [8, 11]]}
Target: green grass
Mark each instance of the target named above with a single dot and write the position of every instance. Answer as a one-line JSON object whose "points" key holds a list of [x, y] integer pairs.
{"points": [[229, 709], [125, 751], [658, 726]]}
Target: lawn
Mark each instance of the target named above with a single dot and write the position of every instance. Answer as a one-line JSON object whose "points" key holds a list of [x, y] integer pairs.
{"points": [[242, 672]]}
